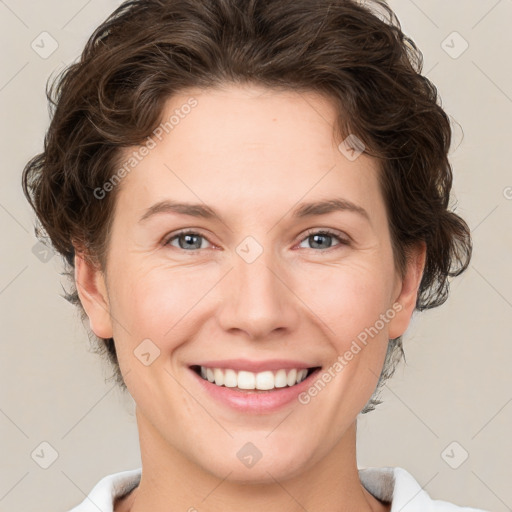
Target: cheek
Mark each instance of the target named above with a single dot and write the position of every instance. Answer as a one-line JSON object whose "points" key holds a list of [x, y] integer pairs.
{"points": [[163, 303], [349, 300], [152, 308]]}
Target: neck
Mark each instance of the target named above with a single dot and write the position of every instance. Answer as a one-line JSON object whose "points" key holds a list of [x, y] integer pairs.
{"points": [[170, 481]]}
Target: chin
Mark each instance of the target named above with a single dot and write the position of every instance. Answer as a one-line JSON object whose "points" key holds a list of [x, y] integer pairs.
{"points": [[253, 459]]}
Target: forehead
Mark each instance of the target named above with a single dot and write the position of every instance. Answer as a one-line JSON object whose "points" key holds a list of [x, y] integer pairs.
{"points": [[259, 146], [240, 120]]}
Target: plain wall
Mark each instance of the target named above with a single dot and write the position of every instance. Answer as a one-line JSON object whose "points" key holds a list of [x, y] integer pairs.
{"points": [[456, 385]]}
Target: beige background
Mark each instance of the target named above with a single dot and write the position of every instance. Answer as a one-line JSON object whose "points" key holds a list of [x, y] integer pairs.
{"points": [[456, 385]]}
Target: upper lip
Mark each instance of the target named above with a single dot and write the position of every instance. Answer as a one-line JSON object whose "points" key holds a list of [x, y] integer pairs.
{"points": [[256, 366]]}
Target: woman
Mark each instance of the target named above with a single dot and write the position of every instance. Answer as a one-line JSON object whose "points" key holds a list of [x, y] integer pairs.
{"points": [[252, 198]]}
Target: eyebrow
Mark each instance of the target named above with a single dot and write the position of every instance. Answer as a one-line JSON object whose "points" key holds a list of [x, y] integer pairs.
{"points": [[303, 210]]}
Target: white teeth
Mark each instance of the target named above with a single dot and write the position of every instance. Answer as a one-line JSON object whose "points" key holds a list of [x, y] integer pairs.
{"points": [[291, 377], [265, 380], [248, 380], [219, 377], [301, 375], [280, 379], [230, 380]]}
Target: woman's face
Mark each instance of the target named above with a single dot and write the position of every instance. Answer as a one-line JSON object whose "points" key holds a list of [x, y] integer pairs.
{"points": [[252, 288]]}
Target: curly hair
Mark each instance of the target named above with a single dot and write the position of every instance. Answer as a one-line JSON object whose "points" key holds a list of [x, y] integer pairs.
{"points": [[352, 51]]}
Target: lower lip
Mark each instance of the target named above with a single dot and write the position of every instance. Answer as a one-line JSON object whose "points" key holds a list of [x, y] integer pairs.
{"points": [[258, 401]]}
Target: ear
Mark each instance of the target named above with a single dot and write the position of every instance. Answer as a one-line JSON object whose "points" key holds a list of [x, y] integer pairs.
{"points": [[406, 291], [92, 290]]}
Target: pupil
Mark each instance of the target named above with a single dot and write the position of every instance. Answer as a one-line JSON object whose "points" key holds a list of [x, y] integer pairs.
{"points": [[315, 238], [189, 240]]}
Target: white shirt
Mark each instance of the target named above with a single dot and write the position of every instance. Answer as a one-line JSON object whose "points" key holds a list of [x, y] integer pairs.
{"points": [[389, 484]]}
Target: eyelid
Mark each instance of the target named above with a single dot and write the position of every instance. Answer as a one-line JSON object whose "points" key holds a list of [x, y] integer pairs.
{"points": [[186, 231], [343, 238], [340, 234]]}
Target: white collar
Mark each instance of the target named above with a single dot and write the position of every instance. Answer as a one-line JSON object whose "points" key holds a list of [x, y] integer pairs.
{"points": [[389, 484]]}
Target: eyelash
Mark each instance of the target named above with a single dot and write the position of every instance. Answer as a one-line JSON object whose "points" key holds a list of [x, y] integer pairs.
{"points": [[309, 233]]}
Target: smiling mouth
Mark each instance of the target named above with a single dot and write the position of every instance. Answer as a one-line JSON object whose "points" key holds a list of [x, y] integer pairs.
{"points": [[248, 382]]}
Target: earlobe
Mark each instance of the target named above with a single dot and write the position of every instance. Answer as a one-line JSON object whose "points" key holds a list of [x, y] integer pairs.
{"points": [[92, 291], [408, 293]]}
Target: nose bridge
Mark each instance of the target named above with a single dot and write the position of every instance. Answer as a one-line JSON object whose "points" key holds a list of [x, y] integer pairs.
{"points": [[259, 301]]}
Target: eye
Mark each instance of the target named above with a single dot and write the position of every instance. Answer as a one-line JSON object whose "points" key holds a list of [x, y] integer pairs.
{"points": [[187, 240], [321, 238], [190, 240]]}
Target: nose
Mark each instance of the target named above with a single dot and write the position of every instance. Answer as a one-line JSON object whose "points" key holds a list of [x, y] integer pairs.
{"points": [[259, 300]]}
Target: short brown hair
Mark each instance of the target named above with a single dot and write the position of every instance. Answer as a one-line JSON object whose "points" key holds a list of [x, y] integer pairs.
{"points": [[353, 51]]}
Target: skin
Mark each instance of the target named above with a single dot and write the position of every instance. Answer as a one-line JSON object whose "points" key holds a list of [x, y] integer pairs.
{"points": [[253, 155]]}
